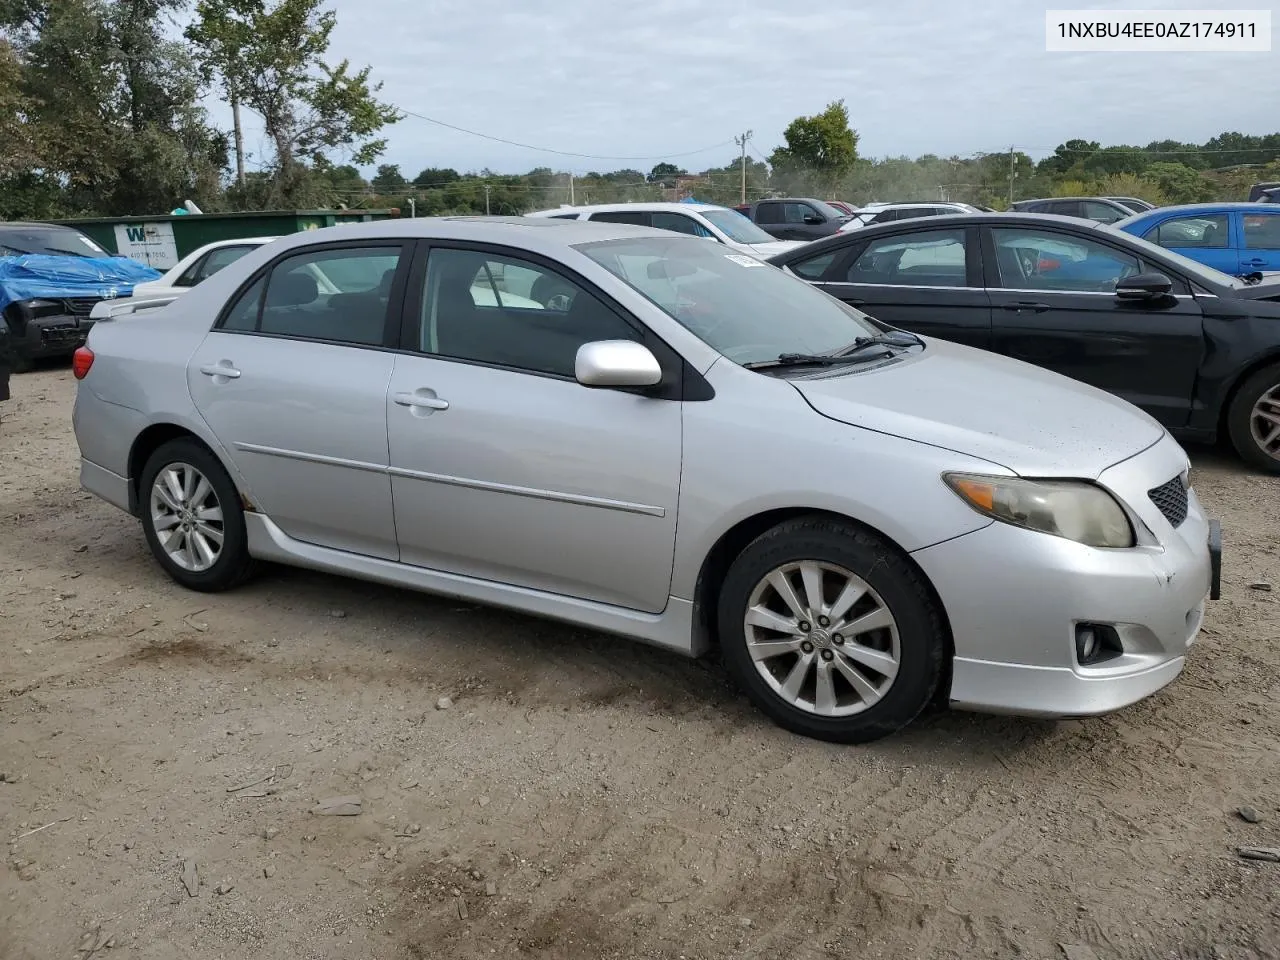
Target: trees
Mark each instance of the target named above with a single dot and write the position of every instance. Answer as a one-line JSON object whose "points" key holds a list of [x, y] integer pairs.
{"points": [[665, 174], [269, 55], [388, 179], [820, 150], [105, 109]]}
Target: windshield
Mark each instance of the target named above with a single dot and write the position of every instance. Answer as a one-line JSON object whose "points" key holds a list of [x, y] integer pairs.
{"points": [[738, 305], [1193, 268], [736, 227], [47, 241]]}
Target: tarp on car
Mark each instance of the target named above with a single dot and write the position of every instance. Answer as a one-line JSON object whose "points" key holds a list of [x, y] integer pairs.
{"points": [[32, 277]]}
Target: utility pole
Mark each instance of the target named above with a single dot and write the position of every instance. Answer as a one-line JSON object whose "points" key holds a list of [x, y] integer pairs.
{"points": [[413, 208], [1012, 162], [571, 203], [239, 135], [742, 142], [486, 199]]}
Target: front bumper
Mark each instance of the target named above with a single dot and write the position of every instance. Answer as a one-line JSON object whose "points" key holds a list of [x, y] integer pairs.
{"points": [[1015, 597], [56, 336]]}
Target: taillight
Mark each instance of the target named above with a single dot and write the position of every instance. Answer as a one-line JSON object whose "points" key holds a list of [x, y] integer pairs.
{"points": [[81, 361]]}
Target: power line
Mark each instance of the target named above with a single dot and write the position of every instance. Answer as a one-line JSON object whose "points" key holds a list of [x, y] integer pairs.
{"points": [[562, 153]]}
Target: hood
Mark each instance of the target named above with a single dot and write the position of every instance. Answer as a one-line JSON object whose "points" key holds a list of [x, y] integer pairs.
{"points": [[35, 277], [766, 250], [1030, 420], [1268, 289]]}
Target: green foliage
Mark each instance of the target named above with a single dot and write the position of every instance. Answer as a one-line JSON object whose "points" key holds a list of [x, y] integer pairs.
{"points": [[269, 56], [99, 112], [819, 151]]}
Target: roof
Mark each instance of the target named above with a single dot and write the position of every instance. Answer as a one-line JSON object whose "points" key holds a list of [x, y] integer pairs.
{"points": [[539, 234], [1044, 199], [31, 224], [1245, 206], [655, 206], [860, 235]]}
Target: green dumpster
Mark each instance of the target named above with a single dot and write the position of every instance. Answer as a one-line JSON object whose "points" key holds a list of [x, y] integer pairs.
{"points": [[162, 241]]}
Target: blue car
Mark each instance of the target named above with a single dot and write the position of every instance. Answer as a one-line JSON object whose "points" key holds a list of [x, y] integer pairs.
{"points": [[1237, 238]]}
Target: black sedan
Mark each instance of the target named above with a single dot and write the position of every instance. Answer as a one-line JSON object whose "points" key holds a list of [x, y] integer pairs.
{"points": [[1198, 350]]}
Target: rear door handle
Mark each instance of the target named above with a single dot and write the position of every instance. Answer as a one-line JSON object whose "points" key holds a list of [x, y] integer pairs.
{"points": [[1025, 305], [421, 401], [1255, 262], [223, 369]]}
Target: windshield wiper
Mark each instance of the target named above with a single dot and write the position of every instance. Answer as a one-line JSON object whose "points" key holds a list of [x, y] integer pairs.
{"points": [[862, 348]]}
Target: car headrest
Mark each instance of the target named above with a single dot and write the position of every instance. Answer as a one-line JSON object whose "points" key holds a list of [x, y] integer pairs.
{"points": [[291, 290]]}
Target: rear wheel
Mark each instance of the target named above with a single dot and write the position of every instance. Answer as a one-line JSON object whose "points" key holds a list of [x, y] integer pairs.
{"points": [[192, 517], [1253, 421], [831, 631]]}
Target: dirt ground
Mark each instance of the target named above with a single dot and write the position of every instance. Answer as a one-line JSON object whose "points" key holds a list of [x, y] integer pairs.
{"points": [[581, 796]]}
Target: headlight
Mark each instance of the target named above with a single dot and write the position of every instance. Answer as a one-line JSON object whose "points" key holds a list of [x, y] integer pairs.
{"points": [[1073, 509]]}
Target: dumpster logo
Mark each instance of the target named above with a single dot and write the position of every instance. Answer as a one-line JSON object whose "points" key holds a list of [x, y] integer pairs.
{"points": [[149, 243]]}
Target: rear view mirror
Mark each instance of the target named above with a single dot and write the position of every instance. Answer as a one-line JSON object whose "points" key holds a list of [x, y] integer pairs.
{"points": [[813, 219], [616, 363], [1144, 286]]}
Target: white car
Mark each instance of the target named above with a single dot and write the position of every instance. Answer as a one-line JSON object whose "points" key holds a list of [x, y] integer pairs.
{"points": [[199, 265], [696, 219], [195, 267], [885, 212]]}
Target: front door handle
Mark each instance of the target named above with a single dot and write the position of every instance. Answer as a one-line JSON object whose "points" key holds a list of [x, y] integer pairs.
{"points": [[1025, 305], [422, 401], [222, 368], [1255, 262]]}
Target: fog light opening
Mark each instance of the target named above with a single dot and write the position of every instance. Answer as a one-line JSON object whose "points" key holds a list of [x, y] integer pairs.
{"points": [[1096, 643]]}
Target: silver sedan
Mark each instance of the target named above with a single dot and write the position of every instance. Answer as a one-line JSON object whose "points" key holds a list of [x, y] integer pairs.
{"points": [[644, 434]]}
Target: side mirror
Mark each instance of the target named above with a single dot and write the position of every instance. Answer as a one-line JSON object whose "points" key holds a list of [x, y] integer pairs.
{"points": [[813, 219], [1144, 286], [616, 363]]}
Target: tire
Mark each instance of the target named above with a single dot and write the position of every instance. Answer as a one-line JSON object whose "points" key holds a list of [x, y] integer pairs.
{"points": [[1259, 393], [842, 555], [187, 563]]}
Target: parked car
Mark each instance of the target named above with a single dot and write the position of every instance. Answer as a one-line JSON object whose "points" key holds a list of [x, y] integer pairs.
{"points": [[840, 205], [1241, 239], [50, 279], [199, 265], [1133, 203], [1100, 209], [676, 444], [707, 220], [889, 212], [1195, 348], [792, 218], [1265, 192]]}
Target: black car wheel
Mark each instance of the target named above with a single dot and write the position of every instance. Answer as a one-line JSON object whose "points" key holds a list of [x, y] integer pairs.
{"points": [[192, 517], [1253, 421], [831, 631]]}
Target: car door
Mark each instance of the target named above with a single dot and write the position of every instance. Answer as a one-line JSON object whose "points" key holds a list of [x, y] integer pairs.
{"points": [[926, 281], [1260, 241], [503, 466], [771, 218], [293, 383], [799, 216], [1053, 304], [1202, 237], [679, 223], [1102, 212]]}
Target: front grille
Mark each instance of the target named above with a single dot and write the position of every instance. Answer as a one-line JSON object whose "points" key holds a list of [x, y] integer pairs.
{"points": [[80, 306], [56, 336], [1171, 500]]}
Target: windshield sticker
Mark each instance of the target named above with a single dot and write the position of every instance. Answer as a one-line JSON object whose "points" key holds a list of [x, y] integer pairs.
{"points": [[744, 260]]}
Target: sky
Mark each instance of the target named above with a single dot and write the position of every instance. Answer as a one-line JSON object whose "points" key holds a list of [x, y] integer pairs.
{"points": [[654, 80]]}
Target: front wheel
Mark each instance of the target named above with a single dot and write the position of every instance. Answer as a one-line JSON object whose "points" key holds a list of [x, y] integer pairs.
{"points": [[1253, 421], [192, 517], [830, 631]]}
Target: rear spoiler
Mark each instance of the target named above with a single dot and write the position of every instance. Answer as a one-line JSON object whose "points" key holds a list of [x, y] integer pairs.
{"points": [[110, 309]]}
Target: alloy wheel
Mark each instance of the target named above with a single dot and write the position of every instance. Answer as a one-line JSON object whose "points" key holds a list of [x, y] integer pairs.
{"points": [[187, 517], [821, 638], [1264, 422]]}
